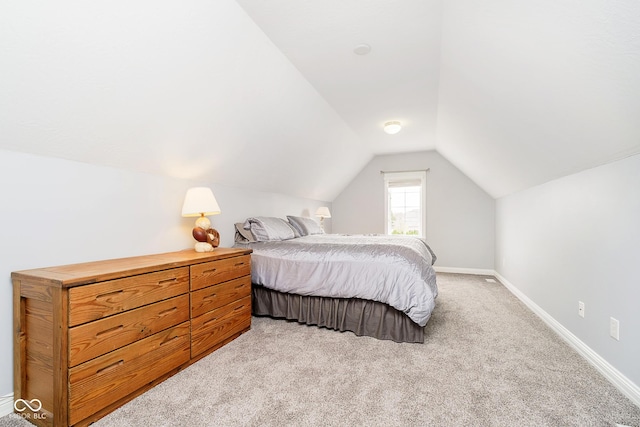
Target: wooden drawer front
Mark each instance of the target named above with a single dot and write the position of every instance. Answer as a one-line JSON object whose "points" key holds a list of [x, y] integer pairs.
{"points": [[102, 336], [217, 325], [211, 273], [92, 302], [218, 295], [102, 381]]}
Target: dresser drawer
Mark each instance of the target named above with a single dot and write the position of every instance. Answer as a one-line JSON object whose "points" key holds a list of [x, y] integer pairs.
{"points": [[211, 273], [104, 299], [217, 325], [102, 336], [100, 382], [219, 295]]}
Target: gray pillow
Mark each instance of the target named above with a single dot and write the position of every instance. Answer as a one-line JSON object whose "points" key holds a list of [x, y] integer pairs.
{"points": [[268, 229], [305, 226], [242, 235]]}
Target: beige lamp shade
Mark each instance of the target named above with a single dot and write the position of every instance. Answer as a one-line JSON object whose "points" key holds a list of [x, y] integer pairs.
{"points": [[323, 212], [200, 201]]}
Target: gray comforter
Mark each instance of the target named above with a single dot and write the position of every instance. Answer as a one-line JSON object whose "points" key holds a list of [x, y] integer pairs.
{"points": [[396, 270]]}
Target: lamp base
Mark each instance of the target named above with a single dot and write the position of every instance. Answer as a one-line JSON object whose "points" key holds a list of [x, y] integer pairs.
{"points": [[203, 247], [203, 222]]}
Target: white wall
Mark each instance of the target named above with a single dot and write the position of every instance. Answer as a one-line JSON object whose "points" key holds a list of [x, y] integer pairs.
{"points": [[460, 215], [578, 239], [190, 89], [56, 212]]}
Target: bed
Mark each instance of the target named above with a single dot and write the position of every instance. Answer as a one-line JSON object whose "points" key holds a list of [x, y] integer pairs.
{"points": [[372, 285]]}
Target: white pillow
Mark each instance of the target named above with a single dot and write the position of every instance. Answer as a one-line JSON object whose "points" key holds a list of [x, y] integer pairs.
{"points": [[268, 229], [305, 226]]}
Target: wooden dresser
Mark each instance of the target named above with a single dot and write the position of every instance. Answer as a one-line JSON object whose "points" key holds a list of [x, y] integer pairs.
{"points": [[89, 337]]}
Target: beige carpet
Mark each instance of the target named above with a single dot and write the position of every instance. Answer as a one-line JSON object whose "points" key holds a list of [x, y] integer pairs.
{"points": [[486, 361]]}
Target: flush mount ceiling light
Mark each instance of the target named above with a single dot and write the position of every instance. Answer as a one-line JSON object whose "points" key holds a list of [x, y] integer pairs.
{"points": [[362, 49], [392, 127]]}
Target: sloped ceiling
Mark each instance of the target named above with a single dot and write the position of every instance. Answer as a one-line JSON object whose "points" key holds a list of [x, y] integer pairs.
{"points": [[270, 95], [527, 91], [397, 80], [190, 89], [535, 90]]}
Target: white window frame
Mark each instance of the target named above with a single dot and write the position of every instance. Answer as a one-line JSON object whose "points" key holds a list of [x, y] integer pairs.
{"points": [[407, 176]]}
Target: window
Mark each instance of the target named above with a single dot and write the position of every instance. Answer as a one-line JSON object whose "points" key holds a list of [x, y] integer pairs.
{"points": [[405, 202]]}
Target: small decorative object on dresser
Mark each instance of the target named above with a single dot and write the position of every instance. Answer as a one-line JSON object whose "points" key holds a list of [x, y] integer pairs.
{"points": [[89, 337], [200, 202]]}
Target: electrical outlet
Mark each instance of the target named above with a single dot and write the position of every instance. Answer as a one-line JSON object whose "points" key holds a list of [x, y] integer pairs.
{"points": [[614, 328], [580, 309]]}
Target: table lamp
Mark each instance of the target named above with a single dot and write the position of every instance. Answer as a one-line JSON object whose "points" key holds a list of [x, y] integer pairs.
{"points": [[323, 212], [200, 202]]}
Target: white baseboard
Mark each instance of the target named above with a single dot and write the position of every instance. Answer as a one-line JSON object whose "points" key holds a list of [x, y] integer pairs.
{"points": [[6, 404], [459, 270], [621, 382]]}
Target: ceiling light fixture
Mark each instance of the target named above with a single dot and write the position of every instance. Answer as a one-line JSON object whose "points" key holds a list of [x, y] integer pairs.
{"points": [[362, 49], [392, 127]]}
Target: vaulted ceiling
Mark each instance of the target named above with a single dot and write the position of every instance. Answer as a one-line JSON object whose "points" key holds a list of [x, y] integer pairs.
{"points": [[514, 93], [270, 94]]}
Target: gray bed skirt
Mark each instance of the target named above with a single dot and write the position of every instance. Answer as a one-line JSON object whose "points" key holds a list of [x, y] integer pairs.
{"points": [[362, 317]]}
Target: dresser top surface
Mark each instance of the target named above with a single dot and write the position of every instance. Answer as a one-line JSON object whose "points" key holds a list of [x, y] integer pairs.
{"points": [[97, 271]]}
